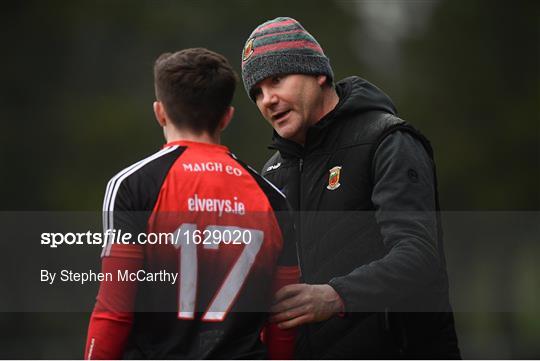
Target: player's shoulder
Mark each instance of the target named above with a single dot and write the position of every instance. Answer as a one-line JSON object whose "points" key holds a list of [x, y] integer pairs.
{"points": [[138, 183], [147, 164]]}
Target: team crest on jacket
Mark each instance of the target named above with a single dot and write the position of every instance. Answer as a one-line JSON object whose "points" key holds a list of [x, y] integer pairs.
{"points": [[333, 178]]}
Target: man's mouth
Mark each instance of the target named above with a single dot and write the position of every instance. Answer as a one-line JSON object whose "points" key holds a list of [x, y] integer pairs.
{"points": [[280, 115]]}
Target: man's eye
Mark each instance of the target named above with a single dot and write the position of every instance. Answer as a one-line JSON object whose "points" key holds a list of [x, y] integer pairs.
{"points": [[256, 92], [276, 79]]}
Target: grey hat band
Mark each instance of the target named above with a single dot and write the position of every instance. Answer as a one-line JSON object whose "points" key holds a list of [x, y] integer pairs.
{"points": [[260, 68]]}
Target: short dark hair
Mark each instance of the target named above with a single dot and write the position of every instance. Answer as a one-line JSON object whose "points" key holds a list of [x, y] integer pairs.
{"points": [[196, 86]]}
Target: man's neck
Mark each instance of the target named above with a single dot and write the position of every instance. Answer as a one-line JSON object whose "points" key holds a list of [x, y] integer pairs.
{"points": [[172, 135], [329, 102]]}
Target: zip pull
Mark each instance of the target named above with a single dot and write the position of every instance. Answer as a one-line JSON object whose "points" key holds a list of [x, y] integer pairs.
{"points": [[301, 164]]}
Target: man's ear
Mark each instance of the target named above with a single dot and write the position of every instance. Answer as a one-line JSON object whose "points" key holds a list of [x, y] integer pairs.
{"points": [[160, 114], [321, 79], [226, 119]]}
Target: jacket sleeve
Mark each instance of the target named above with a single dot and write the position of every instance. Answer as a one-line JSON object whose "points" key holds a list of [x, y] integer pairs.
{"points": [[404, 200]]}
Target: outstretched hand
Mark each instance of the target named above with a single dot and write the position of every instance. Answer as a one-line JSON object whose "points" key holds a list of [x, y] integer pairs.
{"points": [[298, 304]]}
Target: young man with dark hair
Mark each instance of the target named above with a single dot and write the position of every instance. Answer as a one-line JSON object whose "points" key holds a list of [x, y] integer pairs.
{"points": [[195, 87], [232, 242], [364, 185]]}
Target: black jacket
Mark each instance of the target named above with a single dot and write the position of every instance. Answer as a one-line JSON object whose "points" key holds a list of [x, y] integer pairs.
{"points": [[365, 188]]}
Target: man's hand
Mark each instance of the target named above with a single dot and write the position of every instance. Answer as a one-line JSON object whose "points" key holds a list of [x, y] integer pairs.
{"points": [[297, 304]]}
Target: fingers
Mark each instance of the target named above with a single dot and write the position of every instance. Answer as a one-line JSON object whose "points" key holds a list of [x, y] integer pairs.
{"points": [[292, 306], [289, 314], [296, 321], [288, 292], [291, 297], [288, 304]]}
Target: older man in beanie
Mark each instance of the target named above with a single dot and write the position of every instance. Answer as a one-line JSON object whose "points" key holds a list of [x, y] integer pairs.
{"points": [[363, 182]]}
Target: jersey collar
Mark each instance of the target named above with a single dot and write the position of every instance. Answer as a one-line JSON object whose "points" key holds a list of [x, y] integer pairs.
{"points": [[201, 145]]}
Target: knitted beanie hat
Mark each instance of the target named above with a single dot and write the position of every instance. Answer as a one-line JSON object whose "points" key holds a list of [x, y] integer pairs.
{"points": [[281, 46]]}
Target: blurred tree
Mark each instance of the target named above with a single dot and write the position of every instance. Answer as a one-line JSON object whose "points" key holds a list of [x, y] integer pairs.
{"points": [[471, 82]]}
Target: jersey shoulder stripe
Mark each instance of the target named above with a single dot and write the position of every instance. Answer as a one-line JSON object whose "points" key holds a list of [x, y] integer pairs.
{"points": [[114, 185]]}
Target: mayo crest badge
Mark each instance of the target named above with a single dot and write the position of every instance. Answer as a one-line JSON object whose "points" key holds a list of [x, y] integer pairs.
{"points": [[248, 49], [333, 179]]}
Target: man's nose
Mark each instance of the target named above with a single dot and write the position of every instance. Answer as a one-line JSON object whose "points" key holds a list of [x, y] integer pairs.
{"points": [[269, 98]]}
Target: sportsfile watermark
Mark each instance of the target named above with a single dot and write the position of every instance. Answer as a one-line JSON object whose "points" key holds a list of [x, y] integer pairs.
{"points": [[54, 260], [187, 233]]}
